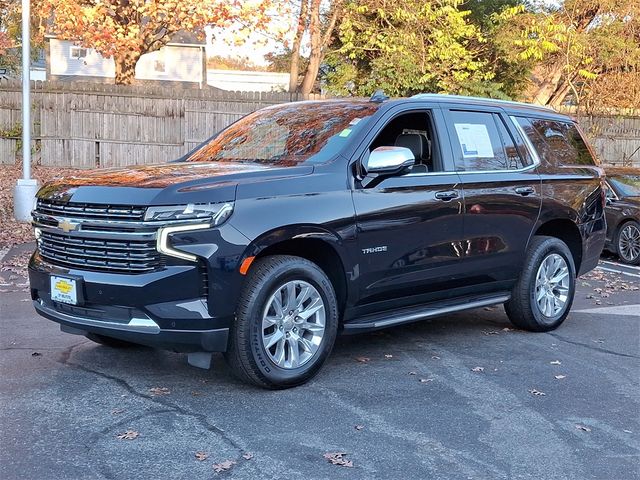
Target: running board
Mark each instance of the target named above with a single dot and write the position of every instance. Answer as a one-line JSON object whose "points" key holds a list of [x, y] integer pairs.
{"points": [[389, 318]]}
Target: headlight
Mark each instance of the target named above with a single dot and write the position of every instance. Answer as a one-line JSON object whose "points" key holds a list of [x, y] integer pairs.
{"points": [[211, 214], [218, 212]]}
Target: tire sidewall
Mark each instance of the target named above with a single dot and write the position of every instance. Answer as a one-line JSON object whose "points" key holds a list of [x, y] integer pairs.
{"points": [[547, 248], [272, 373]]}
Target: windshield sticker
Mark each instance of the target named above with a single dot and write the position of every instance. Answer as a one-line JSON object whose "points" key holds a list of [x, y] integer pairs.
{"points": [[355, 121], [346, 132], [474, 140]]}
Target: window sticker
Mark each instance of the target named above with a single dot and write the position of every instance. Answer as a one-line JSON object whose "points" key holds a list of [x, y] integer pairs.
{"points": [[345, 133], [355, 121], [474, 140]]}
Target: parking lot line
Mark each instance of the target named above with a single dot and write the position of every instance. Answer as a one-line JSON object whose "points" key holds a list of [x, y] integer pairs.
{"points": [[618, 271], [628, 310]]}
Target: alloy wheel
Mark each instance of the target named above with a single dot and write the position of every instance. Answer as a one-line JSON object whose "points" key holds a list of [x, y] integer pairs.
{"points": [[629, 243], [552, 285], [293, 324]]}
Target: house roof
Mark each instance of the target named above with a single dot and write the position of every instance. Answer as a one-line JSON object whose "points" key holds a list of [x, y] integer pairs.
{"points": [[181, 37]]}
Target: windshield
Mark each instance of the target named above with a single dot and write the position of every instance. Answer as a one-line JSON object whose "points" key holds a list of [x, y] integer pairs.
{"points": [[289, 134], [626, 185]]}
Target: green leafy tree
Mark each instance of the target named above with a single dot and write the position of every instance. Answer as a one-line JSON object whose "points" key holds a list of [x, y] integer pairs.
{"points": [[408, 47], [574, 49]]}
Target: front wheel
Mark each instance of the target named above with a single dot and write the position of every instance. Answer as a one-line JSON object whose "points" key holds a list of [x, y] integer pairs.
{"points": [[542, 296], [628, 243], [286, 323]]}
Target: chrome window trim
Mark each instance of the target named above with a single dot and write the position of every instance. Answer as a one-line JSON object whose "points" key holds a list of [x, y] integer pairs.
{"points": [[615, 195]]}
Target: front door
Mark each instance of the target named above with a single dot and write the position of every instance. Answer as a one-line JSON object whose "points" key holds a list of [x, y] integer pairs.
{"points": [[410, 226]]}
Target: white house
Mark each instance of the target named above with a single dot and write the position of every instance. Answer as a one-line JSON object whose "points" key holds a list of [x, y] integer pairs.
{"points": [[182, 60], [248, 81]]}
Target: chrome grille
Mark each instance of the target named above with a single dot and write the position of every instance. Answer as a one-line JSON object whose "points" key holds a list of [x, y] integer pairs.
{"points": [[91, 211], [117, 256]]}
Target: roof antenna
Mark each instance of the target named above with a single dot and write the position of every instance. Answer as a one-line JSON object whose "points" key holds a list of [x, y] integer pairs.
{"points": [[379, 96]]}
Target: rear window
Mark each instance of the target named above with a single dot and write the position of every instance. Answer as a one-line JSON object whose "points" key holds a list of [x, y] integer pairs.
{"points": [[559, 143]]}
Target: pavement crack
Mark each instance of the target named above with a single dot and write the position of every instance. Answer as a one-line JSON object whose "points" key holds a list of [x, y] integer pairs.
{"points": [[199, 417], [591, 347]]}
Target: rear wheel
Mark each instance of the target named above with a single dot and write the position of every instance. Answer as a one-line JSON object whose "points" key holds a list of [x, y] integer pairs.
{"points": [[110, 341], [628, 242], [285, 325], [542, 296]]}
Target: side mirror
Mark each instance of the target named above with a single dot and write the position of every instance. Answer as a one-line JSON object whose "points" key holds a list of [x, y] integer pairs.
{"points": [[388, 161]]}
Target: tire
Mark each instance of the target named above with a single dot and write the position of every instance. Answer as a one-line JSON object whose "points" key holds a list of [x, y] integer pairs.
{"points": [[628, 242], [110, 341], [258, 322], [524, 309]]}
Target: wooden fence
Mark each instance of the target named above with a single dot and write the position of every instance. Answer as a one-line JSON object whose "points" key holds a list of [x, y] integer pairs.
{"points": [[90, 125]]}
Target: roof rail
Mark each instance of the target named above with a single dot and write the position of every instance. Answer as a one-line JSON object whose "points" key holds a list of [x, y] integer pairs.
{"points": [[439, 96]]}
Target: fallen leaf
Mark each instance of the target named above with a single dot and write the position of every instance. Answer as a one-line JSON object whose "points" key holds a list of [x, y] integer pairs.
{"points": [[559, 377], [598, 341], [158, 391], [359, 427], [583, 428], [388, 356], [556, 362], [128, 435], [36, 354], [201, 456], [195, 394], [337, 458], [413, 373], [477, 369], [247, 455], [627, 431], [435, 357], [363, 359], [537, 393], [490, 332], [223, 466], [425, 380], [507, 329]]}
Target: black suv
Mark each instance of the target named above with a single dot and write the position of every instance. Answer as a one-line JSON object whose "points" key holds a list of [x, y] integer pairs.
{"points": [[305, 219]]}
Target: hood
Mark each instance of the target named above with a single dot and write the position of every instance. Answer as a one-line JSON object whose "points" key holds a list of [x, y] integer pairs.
{"points": [[161, 183]]}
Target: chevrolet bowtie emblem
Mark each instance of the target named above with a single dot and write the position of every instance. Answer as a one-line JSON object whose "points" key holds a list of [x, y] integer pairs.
{"points": [[67, 226]]}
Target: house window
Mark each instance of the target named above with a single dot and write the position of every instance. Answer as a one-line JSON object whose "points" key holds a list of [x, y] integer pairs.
{"points": [[78, 52], [159, 65]]}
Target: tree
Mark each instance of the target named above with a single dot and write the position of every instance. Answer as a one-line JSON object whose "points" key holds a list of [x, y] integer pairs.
{"points": [[318, 19], [127, 29], [11, 32], [574, 49], [409, 47]]}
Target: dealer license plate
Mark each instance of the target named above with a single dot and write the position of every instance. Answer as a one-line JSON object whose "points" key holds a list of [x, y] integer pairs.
{"points": [[64, 290]]}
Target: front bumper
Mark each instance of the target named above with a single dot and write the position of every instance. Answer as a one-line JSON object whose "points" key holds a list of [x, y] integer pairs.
{"points": [[164, 309], [143, 331]]}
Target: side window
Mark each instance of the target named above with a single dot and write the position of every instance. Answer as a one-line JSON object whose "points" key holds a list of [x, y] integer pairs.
{"points": [[559, 143], [482, 142], [413, 130]]}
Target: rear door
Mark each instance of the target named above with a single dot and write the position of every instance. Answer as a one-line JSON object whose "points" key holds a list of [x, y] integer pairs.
{"points": [[502, 193]]}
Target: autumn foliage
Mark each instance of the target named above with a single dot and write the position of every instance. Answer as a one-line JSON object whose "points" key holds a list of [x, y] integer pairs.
{"points": [[127, 29]]}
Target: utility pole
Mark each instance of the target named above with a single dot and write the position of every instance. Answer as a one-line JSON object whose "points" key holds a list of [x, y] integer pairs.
{"points": [[26, 187]]}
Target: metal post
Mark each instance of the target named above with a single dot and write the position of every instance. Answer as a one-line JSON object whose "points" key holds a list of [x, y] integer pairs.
{"points": [[26, 187]]}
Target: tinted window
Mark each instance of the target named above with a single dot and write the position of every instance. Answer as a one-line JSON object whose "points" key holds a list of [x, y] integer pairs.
{"points": [[557, 142], [626, 185], [482, 143], [288, 134]]}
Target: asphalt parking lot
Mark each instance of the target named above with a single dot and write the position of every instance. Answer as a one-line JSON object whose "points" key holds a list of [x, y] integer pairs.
{"points": [[461, 397]]}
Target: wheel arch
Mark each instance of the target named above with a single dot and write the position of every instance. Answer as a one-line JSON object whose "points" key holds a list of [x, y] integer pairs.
{"points": [[314, 243], [567, 231]]}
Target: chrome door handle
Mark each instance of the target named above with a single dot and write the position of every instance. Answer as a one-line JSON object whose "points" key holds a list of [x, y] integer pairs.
{"points": [[446, 195], [524, 191]]}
